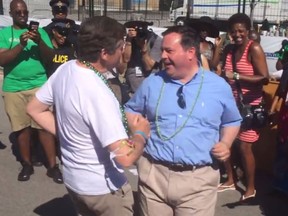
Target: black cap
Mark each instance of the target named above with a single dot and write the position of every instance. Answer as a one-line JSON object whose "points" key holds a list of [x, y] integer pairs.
{"points": [[204, 23], [59, 6], [137, 24], [59, 3], [62, 26]]}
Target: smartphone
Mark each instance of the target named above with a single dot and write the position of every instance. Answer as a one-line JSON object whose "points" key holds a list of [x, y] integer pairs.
{"points": [[33, 26]]}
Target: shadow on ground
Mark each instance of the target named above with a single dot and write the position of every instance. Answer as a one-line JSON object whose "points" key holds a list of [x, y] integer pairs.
{"points": [[271, 202], [62, 206], [2, 145]]}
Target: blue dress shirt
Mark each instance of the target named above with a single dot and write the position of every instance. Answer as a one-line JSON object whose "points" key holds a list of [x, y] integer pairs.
{"points": [[214, 108]]}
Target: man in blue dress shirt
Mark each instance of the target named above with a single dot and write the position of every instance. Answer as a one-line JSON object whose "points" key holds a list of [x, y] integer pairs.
{"points": [[194, 120]]}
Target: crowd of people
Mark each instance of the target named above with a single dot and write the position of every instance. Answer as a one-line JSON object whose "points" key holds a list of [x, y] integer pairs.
{"points": [[62, 81]]}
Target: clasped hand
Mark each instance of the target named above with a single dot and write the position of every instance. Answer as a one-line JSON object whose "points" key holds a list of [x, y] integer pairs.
{"points": [[221, 151], [138, 123], [32, 35]]}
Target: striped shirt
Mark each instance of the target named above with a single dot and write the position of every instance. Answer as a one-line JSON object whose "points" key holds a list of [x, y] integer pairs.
{"points": [[252, 92]]}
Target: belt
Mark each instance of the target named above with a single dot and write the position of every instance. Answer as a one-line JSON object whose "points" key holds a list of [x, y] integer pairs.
{"points": [[177, 167]]}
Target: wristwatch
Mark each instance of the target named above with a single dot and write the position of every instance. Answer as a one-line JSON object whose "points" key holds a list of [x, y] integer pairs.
{"points": [[236, 76]]}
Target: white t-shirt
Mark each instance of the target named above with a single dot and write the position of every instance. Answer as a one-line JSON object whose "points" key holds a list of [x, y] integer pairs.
{"points": [[88, 120]]}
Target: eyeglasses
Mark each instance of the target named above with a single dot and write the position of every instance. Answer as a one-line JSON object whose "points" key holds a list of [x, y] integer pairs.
{"points": [[181, 98], [20, 12]]}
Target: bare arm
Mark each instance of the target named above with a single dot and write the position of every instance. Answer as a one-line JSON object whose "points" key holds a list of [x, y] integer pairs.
{"points": [[149, 63], [42, 115], [221, 150], [9, 55], [205, 63], [127, 52], [128, 48], [279, 65], [122, 67], [217, 52], [128, 151], [258, 60], [46, 52]]}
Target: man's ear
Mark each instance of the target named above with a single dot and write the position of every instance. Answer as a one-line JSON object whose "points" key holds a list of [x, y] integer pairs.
{"points": [[191, 53], [103, 54]]}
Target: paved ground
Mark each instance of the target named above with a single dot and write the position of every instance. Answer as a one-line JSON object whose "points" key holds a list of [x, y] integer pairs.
{"points": [[40, 196]]}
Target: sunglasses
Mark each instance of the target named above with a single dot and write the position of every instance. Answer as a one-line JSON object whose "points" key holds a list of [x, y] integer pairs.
{"points": [[61, 9], [181, 98], [20, 12]]}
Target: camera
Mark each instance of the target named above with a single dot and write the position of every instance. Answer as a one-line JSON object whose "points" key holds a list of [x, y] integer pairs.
{"points": [[141, 27], [142, 33], [33, 26], [247, 115]]}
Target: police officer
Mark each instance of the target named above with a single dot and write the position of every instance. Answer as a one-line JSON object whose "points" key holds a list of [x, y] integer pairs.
{"points": [[60, 11], [63, 49]]}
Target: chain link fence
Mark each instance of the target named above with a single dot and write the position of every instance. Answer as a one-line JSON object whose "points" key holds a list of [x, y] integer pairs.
{"points": [[121, 10]]}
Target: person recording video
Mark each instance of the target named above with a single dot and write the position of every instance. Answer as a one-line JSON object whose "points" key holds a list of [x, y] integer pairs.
{"points": [[142, 52]]}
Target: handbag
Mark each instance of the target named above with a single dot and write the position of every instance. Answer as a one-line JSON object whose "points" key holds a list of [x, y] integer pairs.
{"points": [[254, 116]]}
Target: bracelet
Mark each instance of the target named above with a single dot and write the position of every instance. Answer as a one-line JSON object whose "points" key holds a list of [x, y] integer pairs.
{"points": [[141, 133]]}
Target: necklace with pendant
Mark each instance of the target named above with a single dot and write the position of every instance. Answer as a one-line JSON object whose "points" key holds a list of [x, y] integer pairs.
{"points": [[124, 119], [162, 137]]}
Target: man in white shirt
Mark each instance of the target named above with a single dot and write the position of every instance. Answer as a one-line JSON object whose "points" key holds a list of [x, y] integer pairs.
{"points": [[90, 122]]}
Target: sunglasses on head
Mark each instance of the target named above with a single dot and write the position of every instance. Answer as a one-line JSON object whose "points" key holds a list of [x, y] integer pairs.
{"points": [[181, 98]]}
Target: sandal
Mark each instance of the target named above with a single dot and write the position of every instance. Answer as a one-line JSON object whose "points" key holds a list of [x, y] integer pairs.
{"points": [[243, 198], [222, 187]]}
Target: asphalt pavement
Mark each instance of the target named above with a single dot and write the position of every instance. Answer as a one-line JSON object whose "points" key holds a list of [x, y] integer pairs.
{"points": [[41, 196]]}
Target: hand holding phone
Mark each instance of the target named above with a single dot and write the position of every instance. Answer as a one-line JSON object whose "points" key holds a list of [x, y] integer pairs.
{"points": [[33, 26]]}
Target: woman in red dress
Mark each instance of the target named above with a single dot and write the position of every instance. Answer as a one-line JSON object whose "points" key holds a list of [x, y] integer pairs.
{"points": [[252, 73]]}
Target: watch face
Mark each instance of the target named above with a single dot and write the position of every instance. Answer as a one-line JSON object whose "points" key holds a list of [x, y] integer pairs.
{"points": [[236, 76]]}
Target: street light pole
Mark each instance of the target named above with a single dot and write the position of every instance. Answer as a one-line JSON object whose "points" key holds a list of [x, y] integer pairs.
{"points": [[239, 5], [253, 4], [190, 4], [1, 8], [105, 8]]}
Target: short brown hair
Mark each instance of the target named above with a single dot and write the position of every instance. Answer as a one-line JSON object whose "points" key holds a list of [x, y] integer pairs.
{"points": [[97, 33]]}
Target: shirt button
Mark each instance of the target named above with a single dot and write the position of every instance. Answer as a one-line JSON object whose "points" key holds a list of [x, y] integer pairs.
{"points": [[177, 147], [180, 116]]}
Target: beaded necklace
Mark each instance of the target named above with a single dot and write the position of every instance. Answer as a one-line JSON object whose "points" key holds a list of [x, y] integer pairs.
{"points": [[124, 119], [162, 137]]}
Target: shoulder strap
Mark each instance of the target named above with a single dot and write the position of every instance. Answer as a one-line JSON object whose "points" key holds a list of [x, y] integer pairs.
{"points": [[237, 83], [12, 37], [228, 49]]}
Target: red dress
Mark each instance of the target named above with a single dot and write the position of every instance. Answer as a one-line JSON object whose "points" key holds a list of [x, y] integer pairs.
{"points": [[252, 93]]}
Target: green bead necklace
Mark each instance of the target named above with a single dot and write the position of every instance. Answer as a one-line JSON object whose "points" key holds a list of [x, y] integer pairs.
{"points": [[124, 119], [162, 137]]}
